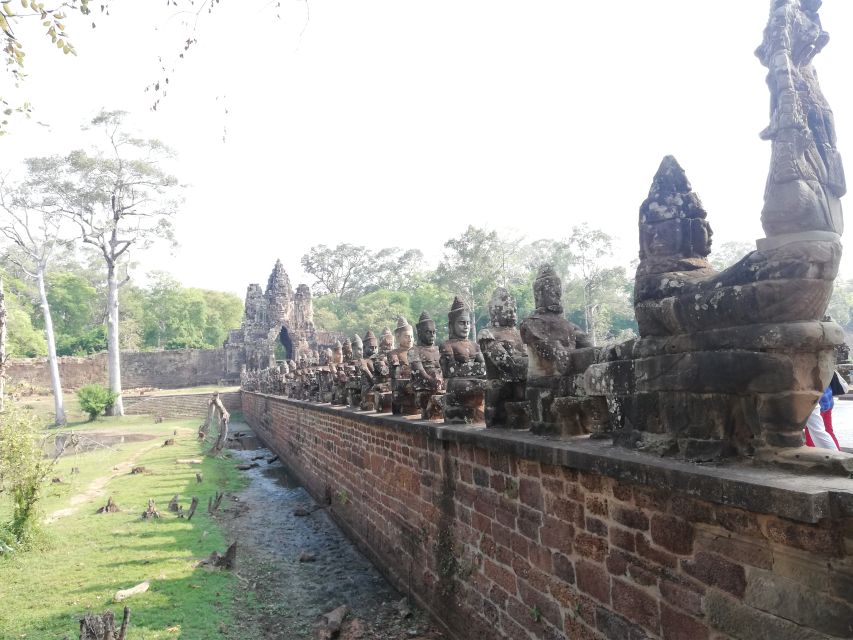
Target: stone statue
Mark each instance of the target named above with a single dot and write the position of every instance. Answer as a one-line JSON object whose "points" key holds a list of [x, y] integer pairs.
{"points": [[732, 363], [806, 176], [382, 396], [427, 379], [370, 344], [343, 361], [506, 365], [464, 369], [353, 385], [326, 375], [404, 401], [558, 353]]}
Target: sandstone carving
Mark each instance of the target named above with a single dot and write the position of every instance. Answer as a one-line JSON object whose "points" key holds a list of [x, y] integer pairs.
{"points": [[404, 401], [464, 369], [427, 379], [370, 344], [506, 365]]}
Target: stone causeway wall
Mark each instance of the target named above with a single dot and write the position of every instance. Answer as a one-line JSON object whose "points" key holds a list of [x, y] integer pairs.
{"points": [[158, 369], [185, 405], [509, 535]]}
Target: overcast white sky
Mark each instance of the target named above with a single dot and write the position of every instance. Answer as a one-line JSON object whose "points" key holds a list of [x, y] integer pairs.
{"points": [[396, 123]]}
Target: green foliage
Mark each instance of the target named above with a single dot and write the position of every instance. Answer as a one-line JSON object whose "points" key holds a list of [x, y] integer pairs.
{"points": [[95, 399], [22, 471], [91, 341]]}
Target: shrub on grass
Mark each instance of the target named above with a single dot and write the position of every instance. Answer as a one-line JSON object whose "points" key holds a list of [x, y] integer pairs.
{"points": [[95, 399], [22, 471]]}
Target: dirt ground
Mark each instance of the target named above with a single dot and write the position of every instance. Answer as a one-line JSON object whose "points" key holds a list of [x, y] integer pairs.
{"points": [[295, 568]]}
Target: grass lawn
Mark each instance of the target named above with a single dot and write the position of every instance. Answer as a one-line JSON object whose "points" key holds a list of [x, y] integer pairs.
{"points": [[87, 557]]}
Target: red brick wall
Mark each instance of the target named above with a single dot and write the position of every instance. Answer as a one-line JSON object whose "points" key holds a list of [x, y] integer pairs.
{"points": [[502, 545]]}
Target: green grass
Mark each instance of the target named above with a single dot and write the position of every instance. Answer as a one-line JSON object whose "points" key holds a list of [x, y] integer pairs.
{"points": [[87, 557]]}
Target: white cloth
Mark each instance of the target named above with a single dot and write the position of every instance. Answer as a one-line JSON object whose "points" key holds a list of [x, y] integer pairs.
{"points": [[817, 430]]}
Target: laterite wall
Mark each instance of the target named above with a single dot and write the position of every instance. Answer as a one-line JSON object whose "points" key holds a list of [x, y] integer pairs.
{"points": [[508, 535], [184, 405]]}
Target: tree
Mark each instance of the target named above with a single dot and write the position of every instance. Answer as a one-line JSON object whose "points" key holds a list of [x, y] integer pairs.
{"points": [[2, 347], [348, 271], [474, 264], [728, 253], [118, 199], [601, 287], [34, 234]]}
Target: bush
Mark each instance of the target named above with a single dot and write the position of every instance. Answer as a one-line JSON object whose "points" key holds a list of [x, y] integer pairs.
{"points": [[95, 399], [22, 471]]}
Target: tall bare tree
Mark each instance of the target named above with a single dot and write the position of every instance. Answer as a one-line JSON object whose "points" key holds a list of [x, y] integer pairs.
{"points": [[34, 234], [119, 197], [2, 348]]}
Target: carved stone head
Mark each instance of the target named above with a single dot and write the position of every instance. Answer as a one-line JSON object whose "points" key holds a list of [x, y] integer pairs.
{"points": [[337, 353], [357, 347], [386, 341], [503, 310], [426, 330], [403, 334], [548, 290], [459, 320], [370, 343], [346, 350]]}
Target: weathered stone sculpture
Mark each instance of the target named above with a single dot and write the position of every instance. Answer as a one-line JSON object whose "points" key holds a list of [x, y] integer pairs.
{"points": [[732, 363], [558, 354], [427, 379], [342, 361], [382, 395], [464, 369], [403, 401], [506, 365], [370, 344], [353, 385]]}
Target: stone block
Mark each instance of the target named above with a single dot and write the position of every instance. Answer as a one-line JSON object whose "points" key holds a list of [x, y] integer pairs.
{"points": [[593, 580], [744, 623], [673, 534], [716, 571], [789, 599], [676, 625]]}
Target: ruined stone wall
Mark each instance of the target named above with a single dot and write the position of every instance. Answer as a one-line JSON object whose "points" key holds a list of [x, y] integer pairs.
{"points": [[160, 369], [506, 535], [185, 405]]}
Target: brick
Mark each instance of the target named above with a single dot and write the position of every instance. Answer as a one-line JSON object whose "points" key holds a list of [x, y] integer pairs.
{"points": [[682, 594], [617, 562], [563, 568], [596, 505], [631, 518], [596, 527], [519, 544], [541, 558], [615, 627], [716, 571], [498, 482], [730, 616], [808, 538], [676, 625], [481, 523], [593, 579], [691, 509], [501, 576], [557, 535], [530, 493], [534, 598], [481, 477], [591, 547], [738, 521], [663, 558], [642, 576], [636, 605], [528, 523], [623, 539], [673, 534], [501, 462], [591, 481], [576, 628], [553, 485], [622, 492], [528, 468], [567, 510], [742, 550], [501, 534]]}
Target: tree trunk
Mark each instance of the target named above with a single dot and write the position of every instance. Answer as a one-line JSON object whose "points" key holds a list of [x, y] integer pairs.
{"points": [[113, 352], [58, 401], [2, 348]]}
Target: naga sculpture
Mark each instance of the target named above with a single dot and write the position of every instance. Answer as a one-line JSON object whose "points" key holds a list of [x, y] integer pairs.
{"points": [[403, 392], [506, 365], [731, 363], [464, 369], [427, 379]]}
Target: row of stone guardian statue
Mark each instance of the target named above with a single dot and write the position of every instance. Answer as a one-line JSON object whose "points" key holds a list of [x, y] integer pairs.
{"points": [[510, 377]]}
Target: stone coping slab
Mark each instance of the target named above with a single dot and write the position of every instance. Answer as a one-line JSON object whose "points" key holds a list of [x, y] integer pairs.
{"points": [[762, 489]]}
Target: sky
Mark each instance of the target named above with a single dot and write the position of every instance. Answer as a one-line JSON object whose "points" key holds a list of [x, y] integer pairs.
{"points": [[395, 123]]}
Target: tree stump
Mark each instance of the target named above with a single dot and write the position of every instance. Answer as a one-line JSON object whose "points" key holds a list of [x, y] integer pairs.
{"points": [[110, 507], [217, 560], [193, 506], [169, 442], [151, 511], [137, 470], [173, 504], [199, 478], [213, 503], [103, 627]]}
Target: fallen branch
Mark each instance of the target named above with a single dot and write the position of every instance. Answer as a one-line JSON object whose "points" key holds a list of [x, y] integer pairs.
{"points": [[124, 594], [188, 461], [213, 503]]}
